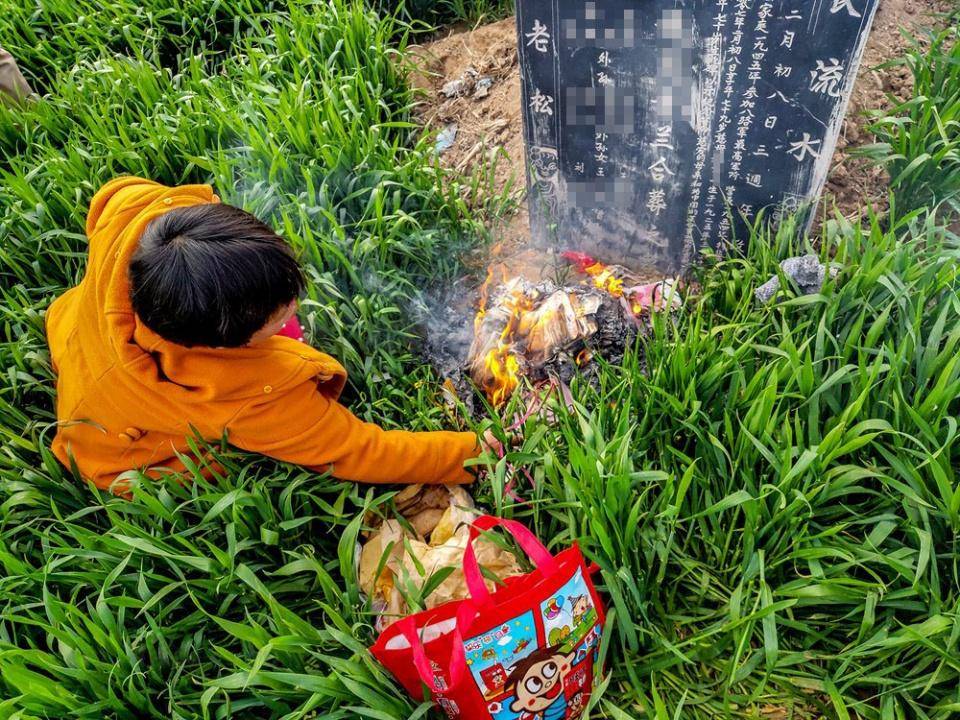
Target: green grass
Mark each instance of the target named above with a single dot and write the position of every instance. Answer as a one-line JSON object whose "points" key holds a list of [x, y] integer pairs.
{"points": [[436, 12], [919, 139], [775, 506], [773, 502]]}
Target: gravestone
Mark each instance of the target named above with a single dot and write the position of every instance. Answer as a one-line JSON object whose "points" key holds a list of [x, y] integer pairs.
{"points": [[655, 128]]}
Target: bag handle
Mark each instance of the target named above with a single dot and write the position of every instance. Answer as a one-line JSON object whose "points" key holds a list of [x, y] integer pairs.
{"points": [[458, 659], [528, 542]]}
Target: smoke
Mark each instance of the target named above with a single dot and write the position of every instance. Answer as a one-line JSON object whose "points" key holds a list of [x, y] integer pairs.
{"points": [[444, 320], [445, 317]]}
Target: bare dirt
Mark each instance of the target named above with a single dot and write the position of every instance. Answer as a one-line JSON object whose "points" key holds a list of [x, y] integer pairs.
{"points": [[854, 182], [490, 130]]}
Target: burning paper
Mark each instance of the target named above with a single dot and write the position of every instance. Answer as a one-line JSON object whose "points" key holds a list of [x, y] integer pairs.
{"points": [[544, 330], [525, 328]]}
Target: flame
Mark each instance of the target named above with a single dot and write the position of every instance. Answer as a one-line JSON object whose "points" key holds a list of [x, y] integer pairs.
{"points": [[505, 368], [583, 357], [604, 279], [501, 362], [601, 275], [482, 306]]}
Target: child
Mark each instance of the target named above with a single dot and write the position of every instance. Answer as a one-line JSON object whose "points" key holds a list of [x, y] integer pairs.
{"points": [[173, 332]]}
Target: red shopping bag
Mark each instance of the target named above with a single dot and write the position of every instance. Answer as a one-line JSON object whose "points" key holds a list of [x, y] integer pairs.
{"points": [[523, 652]]}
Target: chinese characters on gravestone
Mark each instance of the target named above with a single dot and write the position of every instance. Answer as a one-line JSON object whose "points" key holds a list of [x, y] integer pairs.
{"points": [[657, 127]]}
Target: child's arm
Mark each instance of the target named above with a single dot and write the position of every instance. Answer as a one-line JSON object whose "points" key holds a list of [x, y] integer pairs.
{"points": [[308, 428]]}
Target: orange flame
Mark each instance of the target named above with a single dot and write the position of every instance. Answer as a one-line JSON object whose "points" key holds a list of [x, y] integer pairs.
{"points": [[501, 362], [505, 368], [604, 279], [482, 307]]}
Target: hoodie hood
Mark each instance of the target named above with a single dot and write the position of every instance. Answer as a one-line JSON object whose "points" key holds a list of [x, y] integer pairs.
{"points": [[119, 215]]}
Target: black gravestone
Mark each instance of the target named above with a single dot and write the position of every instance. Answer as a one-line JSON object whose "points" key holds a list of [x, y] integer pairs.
{"points": [[657, 127]]}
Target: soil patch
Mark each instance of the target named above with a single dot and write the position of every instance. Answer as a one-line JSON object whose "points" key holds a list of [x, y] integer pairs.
{"points": [[855, 183], [489, 127]]}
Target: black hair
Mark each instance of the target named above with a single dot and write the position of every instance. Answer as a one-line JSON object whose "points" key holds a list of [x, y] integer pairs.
{"points": [[211, 275]]}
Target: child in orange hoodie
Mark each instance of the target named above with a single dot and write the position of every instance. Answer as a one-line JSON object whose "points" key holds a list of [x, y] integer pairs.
{"points": [[173, 333]]}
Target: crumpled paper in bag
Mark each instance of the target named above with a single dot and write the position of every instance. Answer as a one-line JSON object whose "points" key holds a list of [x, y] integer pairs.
{"points": [[441, 518]]}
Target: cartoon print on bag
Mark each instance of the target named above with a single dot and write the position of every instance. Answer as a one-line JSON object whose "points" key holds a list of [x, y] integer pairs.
{"points": [[489, 655], [554, 607], [494, 677], [539, 664], [580, 606], [576, 706], [537, 683], [558, 635], [438, 677], [576, 681], [449, 707], [569, 617]]}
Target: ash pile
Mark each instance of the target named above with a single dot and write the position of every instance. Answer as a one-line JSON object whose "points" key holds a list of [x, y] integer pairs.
{"points": [[543, 331]]}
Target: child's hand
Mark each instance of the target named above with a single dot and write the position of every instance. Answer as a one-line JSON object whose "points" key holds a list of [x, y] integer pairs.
{"points": [[490, 443]]}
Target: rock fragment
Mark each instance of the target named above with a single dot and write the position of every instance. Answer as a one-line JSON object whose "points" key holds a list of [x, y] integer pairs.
{"points": [[806, 271]]}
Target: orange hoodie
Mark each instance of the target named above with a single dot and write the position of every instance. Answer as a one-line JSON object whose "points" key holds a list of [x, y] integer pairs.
{"points": [[127, 399]]}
